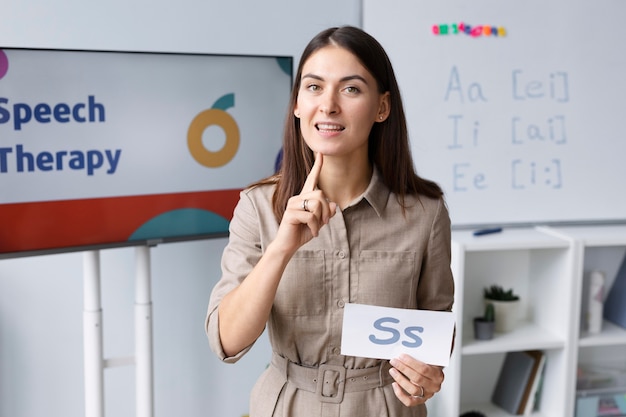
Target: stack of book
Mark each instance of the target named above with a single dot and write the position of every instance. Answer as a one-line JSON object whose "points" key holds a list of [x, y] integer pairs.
{"points": [[518, 386]]}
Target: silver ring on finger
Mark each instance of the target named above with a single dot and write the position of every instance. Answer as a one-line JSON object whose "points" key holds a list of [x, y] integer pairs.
{"points": [[422, 394], [305, 205]]}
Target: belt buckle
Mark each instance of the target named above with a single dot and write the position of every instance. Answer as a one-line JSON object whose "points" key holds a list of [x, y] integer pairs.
{"points": [[331, 382]]}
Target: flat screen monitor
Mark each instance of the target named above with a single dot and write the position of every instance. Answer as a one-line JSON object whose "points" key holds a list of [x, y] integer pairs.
{"points": [[111, 148]]}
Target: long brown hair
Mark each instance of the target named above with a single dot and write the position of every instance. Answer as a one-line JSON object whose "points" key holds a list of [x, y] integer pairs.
{"points": [[389, 148]]}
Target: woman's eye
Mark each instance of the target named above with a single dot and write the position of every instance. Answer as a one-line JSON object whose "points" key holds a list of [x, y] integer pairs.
{"points": [[352, 90], [313, 87]]}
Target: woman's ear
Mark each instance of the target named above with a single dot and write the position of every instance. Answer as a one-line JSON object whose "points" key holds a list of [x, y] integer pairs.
{"points": [[384, 107]]}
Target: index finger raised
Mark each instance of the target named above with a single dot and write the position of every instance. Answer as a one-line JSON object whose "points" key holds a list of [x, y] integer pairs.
{"points": [[311, 180]]}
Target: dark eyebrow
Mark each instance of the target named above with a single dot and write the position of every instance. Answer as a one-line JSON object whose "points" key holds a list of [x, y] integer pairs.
{"points": [[344, 79]]}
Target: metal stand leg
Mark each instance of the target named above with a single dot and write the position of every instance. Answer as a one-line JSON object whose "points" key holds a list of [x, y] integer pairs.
{"points": [[92, 336], [143, 334]]}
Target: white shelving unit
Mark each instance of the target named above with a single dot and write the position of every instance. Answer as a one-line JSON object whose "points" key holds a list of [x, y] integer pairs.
{"points": [[547, 267], [600, 248]]}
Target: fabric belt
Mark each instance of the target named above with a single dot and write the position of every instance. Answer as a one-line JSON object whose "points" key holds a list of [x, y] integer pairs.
{"points": [[330, 382]]}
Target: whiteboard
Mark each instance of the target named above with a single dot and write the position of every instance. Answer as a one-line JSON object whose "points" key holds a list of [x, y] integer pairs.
{"points": [[518, 110]]}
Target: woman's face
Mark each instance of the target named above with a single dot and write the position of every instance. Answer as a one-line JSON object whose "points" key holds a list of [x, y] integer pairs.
{"points": [[338, 102]]}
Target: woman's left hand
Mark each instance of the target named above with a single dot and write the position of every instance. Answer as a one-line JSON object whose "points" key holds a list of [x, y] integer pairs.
{"points": [[415, 381]]}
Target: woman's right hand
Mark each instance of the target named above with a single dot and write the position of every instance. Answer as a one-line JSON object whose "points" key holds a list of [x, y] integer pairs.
{"points": [[244, 311], [306, 213]]}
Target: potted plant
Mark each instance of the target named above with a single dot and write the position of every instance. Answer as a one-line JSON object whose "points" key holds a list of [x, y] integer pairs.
{"points": [[506, 305], [484, 326]]}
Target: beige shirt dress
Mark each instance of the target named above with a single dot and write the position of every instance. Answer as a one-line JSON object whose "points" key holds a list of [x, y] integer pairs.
{"points": [[370, 253]]}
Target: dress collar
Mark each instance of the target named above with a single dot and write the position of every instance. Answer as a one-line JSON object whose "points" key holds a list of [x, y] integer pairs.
{"points": [[376, 193]]}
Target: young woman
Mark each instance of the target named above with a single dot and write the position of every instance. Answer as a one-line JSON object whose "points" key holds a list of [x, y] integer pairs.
{"points": [[346, 219]]}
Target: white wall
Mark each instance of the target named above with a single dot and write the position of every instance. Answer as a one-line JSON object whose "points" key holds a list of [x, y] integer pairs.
{"points": [[41, 356]]}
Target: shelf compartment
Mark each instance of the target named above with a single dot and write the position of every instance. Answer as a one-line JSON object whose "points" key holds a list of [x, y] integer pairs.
{"points": [[477, 396], [527, 336], [611, 334]]}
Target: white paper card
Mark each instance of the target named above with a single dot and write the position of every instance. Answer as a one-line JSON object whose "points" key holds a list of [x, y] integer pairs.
{"points": [[384, 333]]}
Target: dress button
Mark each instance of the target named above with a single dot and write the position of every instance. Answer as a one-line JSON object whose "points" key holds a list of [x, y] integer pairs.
{"points": [[341, 303], [341, 254], [336, 351]]}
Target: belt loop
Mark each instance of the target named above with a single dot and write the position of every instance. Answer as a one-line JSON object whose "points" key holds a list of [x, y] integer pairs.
{"points": [[382, 370], [282, 364]]}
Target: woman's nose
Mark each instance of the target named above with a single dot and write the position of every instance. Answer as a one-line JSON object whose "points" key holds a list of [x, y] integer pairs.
{"points": [[329, 104]]}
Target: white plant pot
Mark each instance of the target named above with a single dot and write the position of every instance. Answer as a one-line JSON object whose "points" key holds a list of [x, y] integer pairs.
{"points": [[507, 314]]}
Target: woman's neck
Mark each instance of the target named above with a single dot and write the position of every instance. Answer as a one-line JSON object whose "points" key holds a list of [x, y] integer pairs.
{"points": [[343, 182]]}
